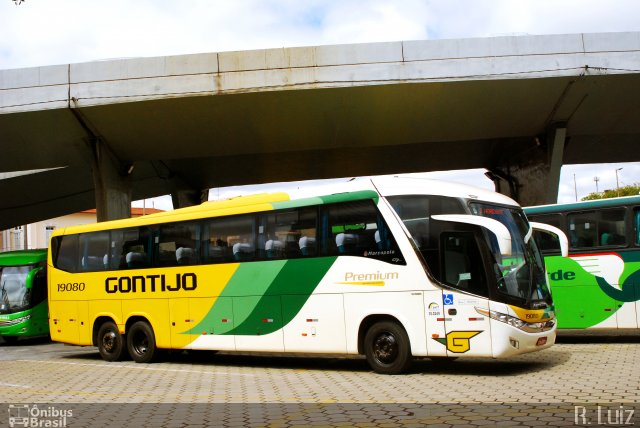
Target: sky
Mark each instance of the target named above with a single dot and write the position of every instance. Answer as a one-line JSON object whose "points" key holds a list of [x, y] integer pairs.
{"points": [[45, 32]]}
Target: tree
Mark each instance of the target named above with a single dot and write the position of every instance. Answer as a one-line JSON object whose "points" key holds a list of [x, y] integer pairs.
{"points": [[630, 190]]}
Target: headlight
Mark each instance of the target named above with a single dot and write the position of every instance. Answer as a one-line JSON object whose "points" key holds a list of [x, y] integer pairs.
{"points": [[14, 321], [529, 327]]}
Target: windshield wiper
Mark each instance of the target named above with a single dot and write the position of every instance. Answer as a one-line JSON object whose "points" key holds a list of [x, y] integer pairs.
{"points": [[539, 304]]}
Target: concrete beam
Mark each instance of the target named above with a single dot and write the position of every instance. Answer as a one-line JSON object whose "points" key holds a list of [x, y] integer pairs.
{"points": [[233, 118]]}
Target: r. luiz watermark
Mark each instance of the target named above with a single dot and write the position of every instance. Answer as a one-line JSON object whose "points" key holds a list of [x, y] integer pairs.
{"points": [[604, 415], [38, 415]]}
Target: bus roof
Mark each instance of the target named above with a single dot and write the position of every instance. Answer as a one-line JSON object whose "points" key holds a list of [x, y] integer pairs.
{"points": [[583, 205], [354, 189], [410, 185], [23, 257]]}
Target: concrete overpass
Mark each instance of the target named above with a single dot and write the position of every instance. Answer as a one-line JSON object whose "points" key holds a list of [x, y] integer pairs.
{"points": [[135, 128]]}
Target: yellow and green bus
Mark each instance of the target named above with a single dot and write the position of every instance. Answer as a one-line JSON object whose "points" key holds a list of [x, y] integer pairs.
{"points": [[392, 268], [598, 285], [23, 294]]}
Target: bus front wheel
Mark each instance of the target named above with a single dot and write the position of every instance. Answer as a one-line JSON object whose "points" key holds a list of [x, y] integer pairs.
{"points": [[110, 342], [141, 342], [387, 348]]}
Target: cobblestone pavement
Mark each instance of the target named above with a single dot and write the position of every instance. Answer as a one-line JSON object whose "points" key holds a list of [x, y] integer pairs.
{"points": [[580, 381]]}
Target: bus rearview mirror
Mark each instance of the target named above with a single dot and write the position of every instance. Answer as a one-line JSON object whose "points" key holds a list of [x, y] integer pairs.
{"points": [[562, 238]]}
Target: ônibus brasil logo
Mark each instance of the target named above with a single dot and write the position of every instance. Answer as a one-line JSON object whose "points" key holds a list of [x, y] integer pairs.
{"points": [[25, 415]]}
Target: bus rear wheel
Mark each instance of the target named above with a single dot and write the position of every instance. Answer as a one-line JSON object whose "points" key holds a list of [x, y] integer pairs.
{"points": [[141, 342], [387, 348], [110, 342]]}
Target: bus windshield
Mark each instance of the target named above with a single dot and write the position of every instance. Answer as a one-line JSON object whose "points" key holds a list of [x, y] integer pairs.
{"points": [[520, 275], [13, 289]]}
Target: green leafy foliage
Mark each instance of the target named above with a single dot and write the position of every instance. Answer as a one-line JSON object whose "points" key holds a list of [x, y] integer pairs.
{"points": [[630, 190]]}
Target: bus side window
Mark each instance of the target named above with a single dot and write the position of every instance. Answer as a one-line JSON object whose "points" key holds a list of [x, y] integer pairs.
{"points": [[611, 226], [416, 213], [178, 244], [94, 247], [288, 234], [352, 227], [130, 248], [582, 229], [66, 254], [597, 228], [357, 229], [230, 239], [636, 223]]}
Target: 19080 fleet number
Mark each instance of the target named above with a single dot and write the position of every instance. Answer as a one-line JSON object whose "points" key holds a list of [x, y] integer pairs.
{"points": [[76, 286]]}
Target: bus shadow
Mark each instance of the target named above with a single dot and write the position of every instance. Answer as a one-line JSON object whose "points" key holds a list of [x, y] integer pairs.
{"points": [[30, 341], [358, 364], [491, 367], [242, 360], [268, 361], [590, 337]]}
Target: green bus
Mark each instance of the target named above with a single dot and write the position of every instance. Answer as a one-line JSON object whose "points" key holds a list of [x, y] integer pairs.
{"points": [[23, 288], [598, 285]]}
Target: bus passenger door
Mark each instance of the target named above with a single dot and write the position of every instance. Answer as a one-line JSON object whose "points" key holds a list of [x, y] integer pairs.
{"points": [[435, 327], [468, 333], [37, 280], [467, 330]]}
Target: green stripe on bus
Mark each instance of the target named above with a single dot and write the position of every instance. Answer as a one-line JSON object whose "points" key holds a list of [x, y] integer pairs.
{"points": [[329, 199], [351, 196], [251, 279], [296, 203], [581, 302], [256, 289], [299, 277]]}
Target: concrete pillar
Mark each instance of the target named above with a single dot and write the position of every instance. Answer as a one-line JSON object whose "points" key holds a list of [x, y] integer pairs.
{"points": [[188, 197], [532, 176], [556, 141], [111, 176], [112, 182]]}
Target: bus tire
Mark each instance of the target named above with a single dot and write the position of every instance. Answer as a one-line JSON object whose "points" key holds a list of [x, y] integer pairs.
{"points": [[387, 348], [110, 342], [141, 342]]}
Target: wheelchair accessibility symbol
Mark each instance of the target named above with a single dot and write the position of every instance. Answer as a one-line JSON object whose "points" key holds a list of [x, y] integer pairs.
{"points": [[447, 299]]}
